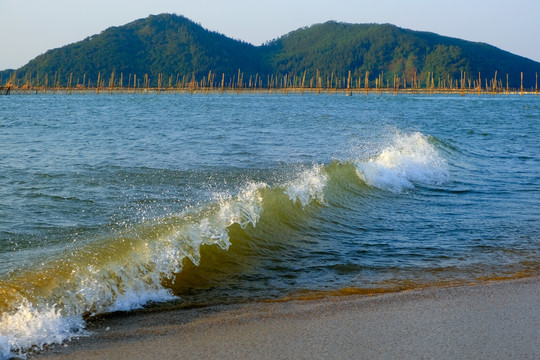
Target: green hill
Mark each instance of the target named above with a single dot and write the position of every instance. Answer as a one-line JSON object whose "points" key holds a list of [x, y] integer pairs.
{"points": [[163, 44], [172, 47], [339, 47]]}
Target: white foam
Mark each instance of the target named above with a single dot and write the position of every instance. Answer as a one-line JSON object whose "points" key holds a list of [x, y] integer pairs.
{"points": [[245, 208], [410, 159], [30, 328], [308, 187], [211, 228]]}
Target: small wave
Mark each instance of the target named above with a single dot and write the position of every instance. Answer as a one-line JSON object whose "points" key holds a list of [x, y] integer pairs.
{"points": [[410, 159]]}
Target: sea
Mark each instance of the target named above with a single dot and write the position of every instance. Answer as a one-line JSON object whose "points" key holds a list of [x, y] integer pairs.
{"points": [[114, 202]]}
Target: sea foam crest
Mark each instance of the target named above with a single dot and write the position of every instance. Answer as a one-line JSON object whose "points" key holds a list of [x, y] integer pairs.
{"points": [[115, 287], [29, 327], [245, 208], [309, 186], [151, 261], [411, 158]]}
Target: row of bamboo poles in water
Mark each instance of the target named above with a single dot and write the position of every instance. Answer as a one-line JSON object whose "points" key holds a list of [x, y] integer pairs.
{"points": [[286, 83]]}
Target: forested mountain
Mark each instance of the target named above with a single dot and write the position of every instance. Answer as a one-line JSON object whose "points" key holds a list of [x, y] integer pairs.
{"points": [[172, 46], [340, 47], [163, 44]]}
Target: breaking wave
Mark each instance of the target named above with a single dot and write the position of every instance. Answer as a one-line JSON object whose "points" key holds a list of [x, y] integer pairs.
{"points": [[129, 268]]}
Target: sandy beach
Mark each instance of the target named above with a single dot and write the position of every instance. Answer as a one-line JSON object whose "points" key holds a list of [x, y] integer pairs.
{"points": [[494, 320]]}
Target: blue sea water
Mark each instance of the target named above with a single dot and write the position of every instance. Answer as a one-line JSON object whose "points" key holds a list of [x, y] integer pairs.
{"points": [[113, 202]]}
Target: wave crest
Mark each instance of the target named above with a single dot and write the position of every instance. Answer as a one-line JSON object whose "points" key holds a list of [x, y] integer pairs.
{"points": [[308, 187], [410, 159]]}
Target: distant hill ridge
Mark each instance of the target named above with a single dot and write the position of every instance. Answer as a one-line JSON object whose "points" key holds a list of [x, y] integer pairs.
{"points": [[170, 48]]}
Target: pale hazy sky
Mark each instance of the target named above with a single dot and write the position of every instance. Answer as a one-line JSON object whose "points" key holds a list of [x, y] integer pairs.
{"points": [[28, 28]]}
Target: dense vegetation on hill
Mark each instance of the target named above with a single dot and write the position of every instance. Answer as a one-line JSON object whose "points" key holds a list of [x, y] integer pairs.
{"points": [[340, 47], [173, 47], [166, 44]]}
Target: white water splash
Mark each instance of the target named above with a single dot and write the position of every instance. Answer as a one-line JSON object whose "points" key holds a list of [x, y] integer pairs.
{"points": [[245, 208], [308, 187], [31, 328], [410, 159]]}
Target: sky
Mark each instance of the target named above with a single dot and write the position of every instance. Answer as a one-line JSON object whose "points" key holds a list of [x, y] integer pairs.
{"points": [[29, 28]]}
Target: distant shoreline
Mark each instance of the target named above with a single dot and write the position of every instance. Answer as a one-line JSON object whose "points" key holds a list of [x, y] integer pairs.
{"points": [[492, 320], [295, 90]]}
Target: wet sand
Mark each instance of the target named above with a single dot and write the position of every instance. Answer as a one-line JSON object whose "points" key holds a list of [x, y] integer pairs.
{"points": [[494, 320]]}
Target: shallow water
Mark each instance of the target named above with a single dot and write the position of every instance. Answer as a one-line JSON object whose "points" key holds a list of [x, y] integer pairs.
{"points": [[112, 202]]}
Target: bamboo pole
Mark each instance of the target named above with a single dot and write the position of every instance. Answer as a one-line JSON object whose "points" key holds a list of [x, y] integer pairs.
{"points": [[238, 82], [222, 82], [479, 84], [111, 83], [461, 87], [349, 84], [318, 82], [304, 80], [366, 83], [521, 93], [495, 83], [209, 80], [257, 79]]}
